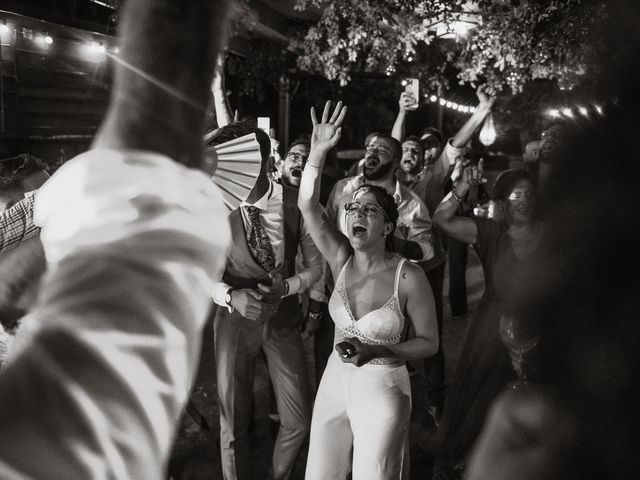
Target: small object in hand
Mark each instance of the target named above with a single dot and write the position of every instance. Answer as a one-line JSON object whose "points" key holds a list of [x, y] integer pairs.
{"points": [[346, 349], [412, 87]]}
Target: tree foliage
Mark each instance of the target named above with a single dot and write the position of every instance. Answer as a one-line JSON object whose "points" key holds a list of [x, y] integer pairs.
{"points": [[257, 72], [509, 42]]}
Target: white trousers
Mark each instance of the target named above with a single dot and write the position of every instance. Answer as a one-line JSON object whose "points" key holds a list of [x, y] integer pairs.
{"points": [[360, 423]]}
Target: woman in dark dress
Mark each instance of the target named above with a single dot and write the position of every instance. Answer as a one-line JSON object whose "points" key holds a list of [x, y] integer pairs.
{"points": [[504, 243]]}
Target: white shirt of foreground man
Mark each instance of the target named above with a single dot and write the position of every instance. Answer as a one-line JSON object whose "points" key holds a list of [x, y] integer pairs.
{"points": [[134, 243]]}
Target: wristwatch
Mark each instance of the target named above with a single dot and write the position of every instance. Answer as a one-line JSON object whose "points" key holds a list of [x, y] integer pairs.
{"points": [[227, 300]]}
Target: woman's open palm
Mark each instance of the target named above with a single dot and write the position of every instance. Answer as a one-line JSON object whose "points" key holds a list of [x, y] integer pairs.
{"points": [[326, 133]]}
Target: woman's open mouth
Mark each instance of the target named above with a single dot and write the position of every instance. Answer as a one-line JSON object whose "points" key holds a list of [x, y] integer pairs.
{"points": [[358, 229]]}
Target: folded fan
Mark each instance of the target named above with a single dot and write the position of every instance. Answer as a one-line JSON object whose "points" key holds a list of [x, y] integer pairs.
{"points": [[238, 167]]}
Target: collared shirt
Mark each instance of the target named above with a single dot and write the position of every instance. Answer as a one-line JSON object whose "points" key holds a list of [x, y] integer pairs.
{"points": [[134, 243], [270, 210], [414, 222], [16, 223], [429, 183]]}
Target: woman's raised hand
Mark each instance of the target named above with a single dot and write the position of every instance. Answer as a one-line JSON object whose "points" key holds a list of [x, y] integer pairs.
{"points": [[326, 133]]}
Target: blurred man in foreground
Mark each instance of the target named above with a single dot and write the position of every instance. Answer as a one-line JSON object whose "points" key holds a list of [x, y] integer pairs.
{"points": [[134, 239]]}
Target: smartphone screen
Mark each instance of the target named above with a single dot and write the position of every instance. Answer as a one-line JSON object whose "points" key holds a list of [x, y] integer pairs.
{"points": [[412, 86]]}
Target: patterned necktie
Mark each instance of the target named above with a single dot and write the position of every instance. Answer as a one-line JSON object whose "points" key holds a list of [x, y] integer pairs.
{"points": [[258, 241]]}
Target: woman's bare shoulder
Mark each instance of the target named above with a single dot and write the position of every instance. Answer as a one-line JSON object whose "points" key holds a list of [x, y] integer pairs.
{"points": [[412, 277]]}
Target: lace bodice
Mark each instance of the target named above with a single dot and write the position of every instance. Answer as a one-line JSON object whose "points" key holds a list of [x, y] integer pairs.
{"points": [[382, 326]]}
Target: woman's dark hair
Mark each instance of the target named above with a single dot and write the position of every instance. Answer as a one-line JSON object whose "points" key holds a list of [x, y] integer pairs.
{"points": [[507, 180], [389, 206]]}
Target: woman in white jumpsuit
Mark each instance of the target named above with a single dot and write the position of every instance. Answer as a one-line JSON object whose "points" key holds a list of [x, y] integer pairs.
{"points": [[362, 411]]}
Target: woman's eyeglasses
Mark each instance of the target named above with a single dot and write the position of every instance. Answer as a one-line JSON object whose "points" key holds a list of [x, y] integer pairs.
{"points": [[367, 209]]}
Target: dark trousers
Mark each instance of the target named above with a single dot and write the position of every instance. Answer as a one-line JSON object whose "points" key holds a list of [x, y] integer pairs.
{"points": [[458, 252], [434, 365]]}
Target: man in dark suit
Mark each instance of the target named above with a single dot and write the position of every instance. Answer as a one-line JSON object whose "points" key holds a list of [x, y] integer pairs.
{"points": [[259, 311]]}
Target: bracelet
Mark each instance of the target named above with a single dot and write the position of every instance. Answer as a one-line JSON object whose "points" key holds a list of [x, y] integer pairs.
{"points": [[313, 166], [286, 289], [456, 197], [315, 315]]}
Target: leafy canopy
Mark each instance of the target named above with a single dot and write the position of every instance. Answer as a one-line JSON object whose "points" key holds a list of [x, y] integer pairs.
{"points": [[504, 43]]}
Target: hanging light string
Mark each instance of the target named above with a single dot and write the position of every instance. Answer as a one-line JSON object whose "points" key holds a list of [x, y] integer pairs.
{"points": [[98, 49], [584, 110], [450, 104], [446, 103], [96, 46]]}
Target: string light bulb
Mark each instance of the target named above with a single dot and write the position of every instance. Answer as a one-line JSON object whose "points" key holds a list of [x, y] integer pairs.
{"points": [[95, 47], [458, 107], [43, 40]]}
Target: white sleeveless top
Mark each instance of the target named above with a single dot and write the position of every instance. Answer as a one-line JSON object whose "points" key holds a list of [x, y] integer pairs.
{"points": [[382, 326]]}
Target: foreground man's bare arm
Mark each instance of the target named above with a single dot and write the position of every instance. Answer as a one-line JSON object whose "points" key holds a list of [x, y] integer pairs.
{"points": [[134, 242]]}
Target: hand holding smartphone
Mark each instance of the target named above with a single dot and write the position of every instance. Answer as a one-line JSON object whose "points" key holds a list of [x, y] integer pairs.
{"points": [[346, 349], [412, 86]]}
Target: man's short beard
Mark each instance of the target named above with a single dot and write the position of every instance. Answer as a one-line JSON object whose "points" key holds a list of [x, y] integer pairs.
{"points": [[377, 172], [414, 170]]}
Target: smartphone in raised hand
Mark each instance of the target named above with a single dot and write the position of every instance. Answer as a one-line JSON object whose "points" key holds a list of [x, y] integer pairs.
{"points": [[412, 86]]}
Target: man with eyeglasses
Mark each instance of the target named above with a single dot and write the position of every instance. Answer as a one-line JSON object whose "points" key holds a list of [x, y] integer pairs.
{"points": [[294, 162], [259, 313], [291, 172]]}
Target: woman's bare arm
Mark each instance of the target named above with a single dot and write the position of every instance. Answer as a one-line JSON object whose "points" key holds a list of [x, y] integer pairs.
{"points": [[333, 245], [420, 311]]}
